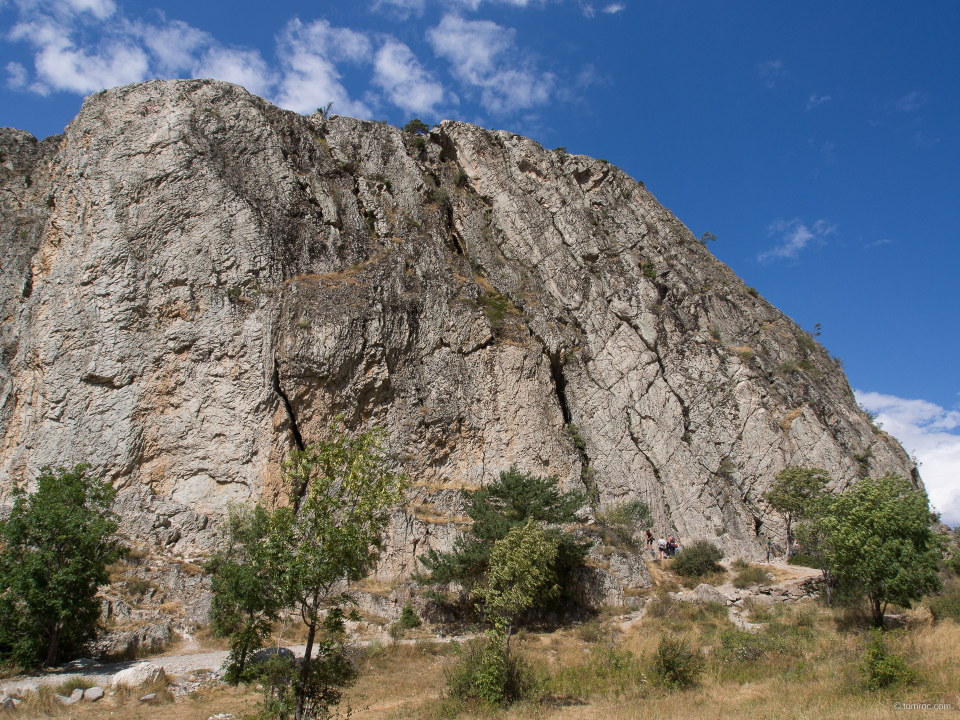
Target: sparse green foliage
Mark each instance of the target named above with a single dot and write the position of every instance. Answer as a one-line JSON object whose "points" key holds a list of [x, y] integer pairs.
{"points": [[625, 518], [346, 489], [649, 270], [416, 126], [462, 178], [486, 673], [883, 668], [794, 492], [675, 664], [754, 292], [946, 605], [751, 575], [707, 237], [54, 550], [247, 586], [697, 560], [419, 143]]}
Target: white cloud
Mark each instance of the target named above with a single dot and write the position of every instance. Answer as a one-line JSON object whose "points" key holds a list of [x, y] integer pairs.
{"points": [[16, 75], [878, 243], [401, 8], [614, 8], [815, 101], [243, 67], [406, 83], [309, 54], [931, 433], [174, 45], [483, 56], [770, 72], [794, 236]]}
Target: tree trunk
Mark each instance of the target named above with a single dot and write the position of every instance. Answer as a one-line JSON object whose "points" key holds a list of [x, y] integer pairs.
{"points": [[877, 613], [305, 668], [54, 643]]}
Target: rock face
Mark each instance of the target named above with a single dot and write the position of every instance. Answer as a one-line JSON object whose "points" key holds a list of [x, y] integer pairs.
{"points": [[195, 281]]}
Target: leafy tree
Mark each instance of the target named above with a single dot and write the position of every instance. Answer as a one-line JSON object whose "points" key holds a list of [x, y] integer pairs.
{"points": [[416, 126], [515, 498], [878, 542], [793, 493], [54, 550], [248, 591], [623, 519], [520, 575], [332, 537]]}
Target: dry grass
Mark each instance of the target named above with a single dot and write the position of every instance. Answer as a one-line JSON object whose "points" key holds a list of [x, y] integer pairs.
{"points": [[789, 418]]}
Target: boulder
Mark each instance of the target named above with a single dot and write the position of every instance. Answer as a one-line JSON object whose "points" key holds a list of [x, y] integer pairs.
{"points": [[148, 698], [64, 700], [705, 593], [139, 674], [77, 695], [93, 694]]}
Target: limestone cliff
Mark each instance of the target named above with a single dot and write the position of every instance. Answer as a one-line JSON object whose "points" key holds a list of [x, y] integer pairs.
{"points": [[195, 281]]}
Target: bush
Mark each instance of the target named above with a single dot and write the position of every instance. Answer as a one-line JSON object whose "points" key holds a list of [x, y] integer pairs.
{"points": [[486, 672], [698, 560], [946, 606], [749, 576], [416, 126], [803, 560], [409, 618], [882, 667], [676, 664]]}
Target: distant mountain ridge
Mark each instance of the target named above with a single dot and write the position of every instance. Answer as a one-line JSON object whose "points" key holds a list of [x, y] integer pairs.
{"points": [[195, 281]]}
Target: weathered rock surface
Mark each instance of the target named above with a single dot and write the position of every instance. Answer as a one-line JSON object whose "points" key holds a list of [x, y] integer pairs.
{"points": [[195, 281], [138, 675]]}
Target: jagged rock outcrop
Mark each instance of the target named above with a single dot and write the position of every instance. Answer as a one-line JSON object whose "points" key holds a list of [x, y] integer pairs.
{"points": [[194, 281]]}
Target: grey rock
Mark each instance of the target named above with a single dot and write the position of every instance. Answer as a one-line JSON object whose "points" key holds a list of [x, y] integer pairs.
{"points": [[93, 694], [64, 700], [148, 698], [194, 282], [265, 654], [76, 695], [139, 674], [705, 593]]}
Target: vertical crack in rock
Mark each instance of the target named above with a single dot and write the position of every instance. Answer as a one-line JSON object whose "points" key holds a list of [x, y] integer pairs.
{"points": [[560, 385], [294, 430]]}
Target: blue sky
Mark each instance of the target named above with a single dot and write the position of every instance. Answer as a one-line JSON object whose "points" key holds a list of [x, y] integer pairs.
{"points": [[817, 140]]}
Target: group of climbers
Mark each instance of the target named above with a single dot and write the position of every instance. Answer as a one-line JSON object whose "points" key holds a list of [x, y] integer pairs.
{"points": [[666, 547]]}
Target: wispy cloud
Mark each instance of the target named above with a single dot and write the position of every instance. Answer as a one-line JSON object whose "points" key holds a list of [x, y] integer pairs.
{"points": [[816, 101], [770, 72], [403, 79], [484, 57], [933, 435], [793, 237], [877, 243], [614, 8], [911, 101]]}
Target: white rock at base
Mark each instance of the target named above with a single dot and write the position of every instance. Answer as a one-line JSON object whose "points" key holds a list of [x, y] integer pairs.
{"points": [[139, 674], [93, 694], [77, 694], [148, 698], [64, 700]]}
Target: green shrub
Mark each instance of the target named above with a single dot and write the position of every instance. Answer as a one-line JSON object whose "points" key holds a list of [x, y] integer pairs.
{"points": [[675, 664], [698, 560], [624, 518], [883, 668], [487, 673], [419, 143], [462, 178], [754, 292], [946, 605], [649, 270], [661, 607], [803, 560], [409, 618], [751, 575]]}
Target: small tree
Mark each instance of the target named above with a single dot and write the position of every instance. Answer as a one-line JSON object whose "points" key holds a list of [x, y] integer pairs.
{"points": [[416, 126], [248, 591], [879, 542], [56, 545], [333, 537], [793, 493], [496, 509]]}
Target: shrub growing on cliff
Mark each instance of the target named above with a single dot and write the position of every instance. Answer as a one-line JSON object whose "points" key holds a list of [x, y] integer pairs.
{"points": [[794, 493], [56, 545]]}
